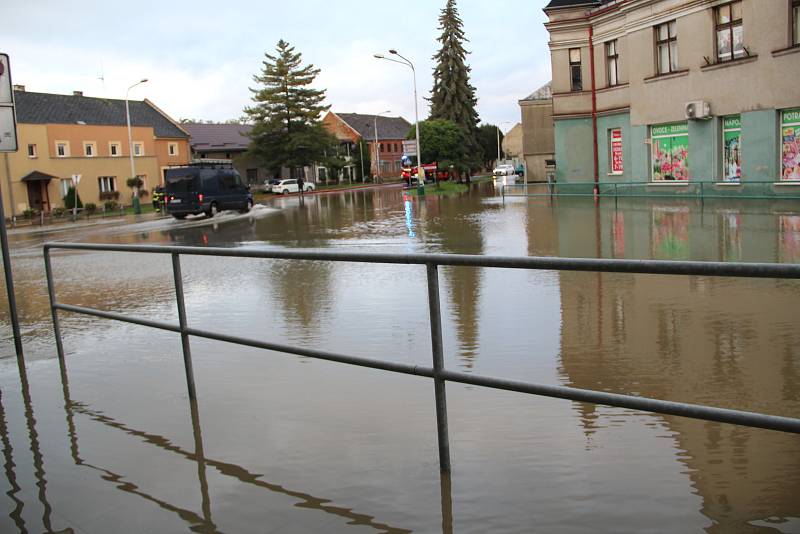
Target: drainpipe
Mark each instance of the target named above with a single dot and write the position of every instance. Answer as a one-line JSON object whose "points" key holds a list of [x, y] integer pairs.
{"points": [[594, 112]]}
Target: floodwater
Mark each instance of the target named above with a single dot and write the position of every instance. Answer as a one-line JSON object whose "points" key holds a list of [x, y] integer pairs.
{"points": [[280, 443]]}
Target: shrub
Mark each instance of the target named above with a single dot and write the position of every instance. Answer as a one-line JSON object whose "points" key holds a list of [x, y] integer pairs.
{"points": [[69, 199], [57, 212], [30, 213], [110, 205], [134, 182], [143, 193], [109, 195], [90, 208]]}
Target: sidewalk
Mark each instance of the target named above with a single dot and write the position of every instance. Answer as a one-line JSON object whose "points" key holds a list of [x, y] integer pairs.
{"points": [[67, 224]]}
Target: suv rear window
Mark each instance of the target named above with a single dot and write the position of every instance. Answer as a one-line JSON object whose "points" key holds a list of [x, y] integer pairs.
{"points": [[182, 183]]}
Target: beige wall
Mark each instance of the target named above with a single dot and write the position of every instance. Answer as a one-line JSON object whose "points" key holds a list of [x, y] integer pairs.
{"points": [[767, 81], [90, 168], [538, 137], [512, 142]]}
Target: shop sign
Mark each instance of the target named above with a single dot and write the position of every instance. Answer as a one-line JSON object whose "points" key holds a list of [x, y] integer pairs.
{"points": [[616, 152], [662, 130]]}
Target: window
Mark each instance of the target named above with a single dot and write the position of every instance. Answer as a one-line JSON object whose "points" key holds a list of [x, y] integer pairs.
{"points": [[32, 151], [670, 151], [732, 145], [65, 185], [730, 42], [612, 63], [107, 184], [114, 149], [795, 22], [790, 145], [252, 175], [382, 147], [615, 161], [172, 149], [667, 47], [575, 81], [62, 149], [138, 149], [89, 149]]}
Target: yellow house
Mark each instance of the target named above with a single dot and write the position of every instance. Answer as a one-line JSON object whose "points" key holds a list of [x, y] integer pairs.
{"points": [[64, 135]]}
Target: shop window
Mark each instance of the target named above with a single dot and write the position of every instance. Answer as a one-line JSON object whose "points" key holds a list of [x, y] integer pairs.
{"points": [[732, 147], [615, 159], [575, 80], [790, 145], [667, 47], [670, 152], [612, 63], [730, 43]]}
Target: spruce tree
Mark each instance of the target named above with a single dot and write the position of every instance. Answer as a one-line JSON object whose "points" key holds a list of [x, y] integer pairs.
{"points": [[453, 97], [287, 127]]}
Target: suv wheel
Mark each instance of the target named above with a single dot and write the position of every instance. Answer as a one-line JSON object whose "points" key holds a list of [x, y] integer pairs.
{"points": [[285, 192], [212, 210]]}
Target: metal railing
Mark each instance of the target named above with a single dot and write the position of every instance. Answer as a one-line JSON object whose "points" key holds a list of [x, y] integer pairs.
{"points": [[437, 371], [669, 189]]}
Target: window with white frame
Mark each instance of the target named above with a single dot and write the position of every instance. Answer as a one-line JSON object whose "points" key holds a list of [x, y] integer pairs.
{"points": [[32, 153], [172, 149], [65, 185], [667, 47], [62, 149], [89, 149], [138, 149], [114, 149], [575, 75], [612, 63], [107, 184]]}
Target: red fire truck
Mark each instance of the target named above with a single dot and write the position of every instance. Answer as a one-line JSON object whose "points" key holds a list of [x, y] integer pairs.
{"points": [[432, 173]]}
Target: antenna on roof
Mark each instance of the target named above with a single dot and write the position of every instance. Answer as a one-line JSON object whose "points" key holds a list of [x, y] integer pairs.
{"points": [[102, 78]]}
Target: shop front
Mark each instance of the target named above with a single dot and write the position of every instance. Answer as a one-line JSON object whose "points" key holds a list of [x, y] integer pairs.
{"points": [[670, 152], [732, 149], [790, 145]]}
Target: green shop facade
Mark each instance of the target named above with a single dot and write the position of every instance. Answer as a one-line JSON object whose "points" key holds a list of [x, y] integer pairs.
{"points": [[754, 153]]}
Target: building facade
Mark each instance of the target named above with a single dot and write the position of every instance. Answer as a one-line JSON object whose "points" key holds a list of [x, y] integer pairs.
{"points": [[65, 135], [670, 92], [538, 141], [228, 143], [350, 128]]}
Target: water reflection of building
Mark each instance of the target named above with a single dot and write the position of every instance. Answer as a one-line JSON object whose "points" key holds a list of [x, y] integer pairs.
{"points": [[715, 341]]}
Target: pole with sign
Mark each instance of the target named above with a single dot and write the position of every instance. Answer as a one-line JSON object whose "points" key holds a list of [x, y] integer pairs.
{"points": [[8, 143]]}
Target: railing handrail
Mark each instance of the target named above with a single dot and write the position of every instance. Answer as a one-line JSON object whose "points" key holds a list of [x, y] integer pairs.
{"points": [[437, 372], [662, 267]]}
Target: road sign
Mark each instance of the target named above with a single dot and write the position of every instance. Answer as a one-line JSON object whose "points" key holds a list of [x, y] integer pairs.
{"points": [[410, 148], [8, 122]]}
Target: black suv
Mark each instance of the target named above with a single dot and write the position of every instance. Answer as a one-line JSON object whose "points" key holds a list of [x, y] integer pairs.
{"points": [[202, 189]]}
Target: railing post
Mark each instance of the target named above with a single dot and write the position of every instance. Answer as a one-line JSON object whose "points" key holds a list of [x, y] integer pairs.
{"points": [[187, 353], [438, 367], [51, 292]]}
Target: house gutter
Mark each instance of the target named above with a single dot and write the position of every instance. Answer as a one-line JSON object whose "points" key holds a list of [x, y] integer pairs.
{"points": [[594, 113]]}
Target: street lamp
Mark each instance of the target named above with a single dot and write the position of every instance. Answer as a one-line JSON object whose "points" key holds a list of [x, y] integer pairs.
{"points": [[377, 153], [405, 61], [137, 208]]}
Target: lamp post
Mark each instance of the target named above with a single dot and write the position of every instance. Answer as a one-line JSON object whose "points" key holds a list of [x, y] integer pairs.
{"points": [[405, 61], [137, 208], [377, 153]]}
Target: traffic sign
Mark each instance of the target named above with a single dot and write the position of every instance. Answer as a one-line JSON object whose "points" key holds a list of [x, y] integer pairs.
{"points": [[8, 121], [410, 148]]}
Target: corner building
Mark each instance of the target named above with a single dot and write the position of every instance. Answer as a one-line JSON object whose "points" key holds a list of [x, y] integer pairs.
{"points": [[675, 92]]}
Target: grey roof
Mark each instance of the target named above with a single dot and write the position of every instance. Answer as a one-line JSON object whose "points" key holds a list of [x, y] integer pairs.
{"points": [[545, 92], [46, 108], [228, 137], [571, 3], [388, 127]]}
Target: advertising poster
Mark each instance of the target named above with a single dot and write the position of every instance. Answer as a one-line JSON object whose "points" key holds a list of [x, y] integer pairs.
{"points": [[670, 239], [790, 150], [616, 152], [670, 152], [732, 142]]}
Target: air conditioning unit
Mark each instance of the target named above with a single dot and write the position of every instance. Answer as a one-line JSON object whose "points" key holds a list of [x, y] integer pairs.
{"points": [[698, 110]]}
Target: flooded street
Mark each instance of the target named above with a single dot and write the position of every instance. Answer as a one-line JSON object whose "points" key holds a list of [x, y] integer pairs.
{"points": [[280, 443]]}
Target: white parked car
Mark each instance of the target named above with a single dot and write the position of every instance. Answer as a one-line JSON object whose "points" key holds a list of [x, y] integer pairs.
{"points": [[284, 187], [504, 170]]}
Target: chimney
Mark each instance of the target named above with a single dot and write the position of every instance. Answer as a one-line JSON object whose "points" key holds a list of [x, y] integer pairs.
{"points": [[77, 93], [20, 88]]}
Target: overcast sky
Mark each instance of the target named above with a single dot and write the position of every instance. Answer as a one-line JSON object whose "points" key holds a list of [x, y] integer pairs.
{"points": [[200, 56]]}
